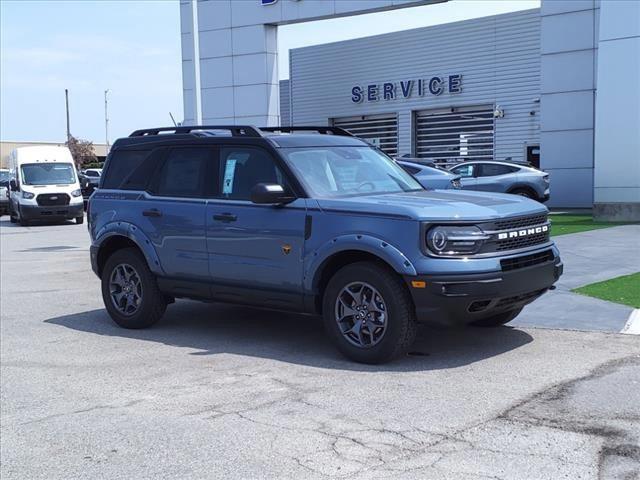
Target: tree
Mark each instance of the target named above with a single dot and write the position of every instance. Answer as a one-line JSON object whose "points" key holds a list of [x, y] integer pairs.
{"points": [[82, 151]]}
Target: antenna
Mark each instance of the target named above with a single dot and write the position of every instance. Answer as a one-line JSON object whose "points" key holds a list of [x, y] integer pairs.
{"points": [[173, 120]]}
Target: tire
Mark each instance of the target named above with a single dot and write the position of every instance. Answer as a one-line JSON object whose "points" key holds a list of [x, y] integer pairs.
{"points": [[12, 219], [397, 331], [524, 192], [150, 304], [80, 220], [498, 320]]}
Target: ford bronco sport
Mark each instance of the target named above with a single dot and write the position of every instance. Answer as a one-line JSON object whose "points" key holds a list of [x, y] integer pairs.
{"points": [[310, 220]]}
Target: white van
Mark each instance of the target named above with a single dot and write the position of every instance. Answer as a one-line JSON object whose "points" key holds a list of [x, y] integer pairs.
{"points": [[43, 185]]}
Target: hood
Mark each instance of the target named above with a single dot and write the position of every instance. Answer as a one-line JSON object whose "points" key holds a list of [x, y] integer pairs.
{"points": [[438, 205]]}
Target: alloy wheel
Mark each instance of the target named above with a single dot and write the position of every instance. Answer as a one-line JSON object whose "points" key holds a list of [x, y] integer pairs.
{"points": [[125, 289], [361, 314]]}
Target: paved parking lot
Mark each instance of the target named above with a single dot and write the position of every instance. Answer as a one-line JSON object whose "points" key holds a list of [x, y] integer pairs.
{"points": [[218, 391]]}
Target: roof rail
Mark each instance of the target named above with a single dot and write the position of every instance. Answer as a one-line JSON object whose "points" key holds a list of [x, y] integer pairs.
{"points": [[235, 130], [323, 130]]}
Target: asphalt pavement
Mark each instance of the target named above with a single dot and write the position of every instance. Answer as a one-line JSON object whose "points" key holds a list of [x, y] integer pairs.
{"points": [[216, 391]]}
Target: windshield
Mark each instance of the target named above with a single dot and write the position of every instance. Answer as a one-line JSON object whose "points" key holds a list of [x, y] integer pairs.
{"points": [[329, 172], [48, 174]]}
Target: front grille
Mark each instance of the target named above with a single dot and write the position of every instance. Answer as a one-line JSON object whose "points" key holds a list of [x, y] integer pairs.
{"points": [[513, 223], [52, 199], [509, 264], [524, 242], [537, 233]]}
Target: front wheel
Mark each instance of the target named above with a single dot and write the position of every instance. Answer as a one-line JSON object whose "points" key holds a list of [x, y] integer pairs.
{"points": [[130, 291], [498, 320], [80, 220], [368, 313]]}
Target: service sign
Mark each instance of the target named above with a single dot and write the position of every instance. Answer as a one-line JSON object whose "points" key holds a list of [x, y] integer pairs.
{"points": [[436, 85]]}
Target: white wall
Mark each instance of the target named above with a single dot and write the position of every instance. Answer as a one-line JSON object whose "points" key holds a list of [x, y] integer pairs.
{"points": [[238, 49], [568, 66], [617, 141]]}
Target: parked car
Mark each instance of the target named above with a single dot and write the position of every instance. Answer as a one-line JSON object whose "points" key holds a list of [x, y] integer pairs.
{"points": [[315, 223], [505, 178], [4, 191], [87, 187], [43, 185], [431, 178], [93, 175]]}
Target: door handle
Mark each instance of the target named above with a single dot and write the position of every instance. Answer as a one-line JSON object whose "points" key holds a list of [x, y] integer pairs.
{"points": [[225, 217], [154, 212]]}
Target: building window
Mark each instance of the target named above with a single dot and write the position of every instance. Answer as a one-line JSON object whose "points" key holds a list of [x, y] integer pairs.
{"points": [[379, 130]]}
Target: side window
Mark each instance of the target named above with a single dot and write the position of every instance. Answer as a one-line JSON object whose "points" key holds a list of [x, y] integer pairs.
{"points": [[121, 164], [138, 178], [492, 170], [183, 173], [464, 170], [241, 168]]}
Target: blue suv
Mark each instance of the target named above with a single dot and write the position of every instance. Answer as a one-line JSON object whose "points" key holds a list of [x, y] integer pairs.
{"points": [[310, 220]]}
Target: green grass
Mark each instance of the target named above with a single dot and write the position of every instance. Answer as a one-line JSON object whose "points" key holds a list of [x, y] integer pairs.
{"points": [[561, 224], [625, 290]]}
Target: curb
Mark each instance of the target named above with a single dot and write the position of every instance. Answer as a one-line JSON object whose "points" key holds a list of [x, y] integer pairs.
{"points": [[632, 327]]}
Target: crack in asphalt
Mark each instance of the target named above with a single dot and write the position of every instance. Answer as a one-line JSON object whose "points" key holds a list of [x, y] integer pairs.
{"points": [[83, 410], [360, 447]]}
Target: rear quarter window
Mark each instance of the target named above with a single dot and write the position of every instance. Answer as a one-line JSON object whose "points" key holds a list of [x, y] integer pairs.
{"points": [[122, 166]]}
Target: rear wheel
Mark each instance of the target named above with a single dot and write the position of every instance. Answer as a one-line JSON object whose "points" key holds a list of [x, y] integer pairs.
{"points": [[498, 320], [130, 291], [80, 220], [368, 313]]}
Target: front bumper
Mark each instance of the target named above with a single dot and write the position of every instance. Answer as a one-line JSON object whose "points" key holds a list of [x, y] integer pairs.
{"points": [[54, 212], [463, 299]]}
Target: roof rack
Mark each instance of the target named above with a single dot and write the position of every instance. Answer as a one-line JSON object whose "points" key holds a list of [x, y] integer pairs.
{"points": [[235, 130], [322, 130]]}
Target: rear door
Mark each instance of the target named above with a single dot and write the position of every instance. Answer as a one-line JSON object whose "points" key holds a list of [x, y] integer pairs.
{"points": [[172, 211], [493, 177], [255, 251]]}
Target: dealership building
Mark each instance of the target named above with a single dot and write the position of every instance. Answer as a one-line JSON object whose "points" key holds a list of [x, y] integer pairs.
{"points": [[557, 87]]}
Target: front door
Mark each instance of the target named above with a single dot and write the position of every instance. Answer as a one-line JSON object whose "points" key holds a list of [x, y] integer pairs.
{"points": [[255, 251], [467, 174]]}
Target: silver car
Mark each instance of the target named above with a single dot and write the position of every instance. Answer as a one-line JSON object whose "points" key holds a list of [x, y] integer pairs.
{"points": [[432, 178], [505, 178]]}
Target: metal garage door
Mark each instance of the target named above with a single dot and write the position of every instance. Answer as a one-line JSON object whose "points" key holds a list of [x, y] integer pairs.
{"points": [[381, 130], [450, 137]]}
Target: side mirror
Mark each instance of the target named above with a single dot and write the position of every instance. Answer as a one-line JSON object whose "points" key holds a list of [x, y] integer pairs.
{"points": [[13, 186], [270, 193]]}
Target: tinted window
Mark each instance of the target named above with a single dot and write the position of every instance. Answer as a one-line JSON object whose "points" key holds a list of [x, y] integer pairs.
{"points": [[183, 173], [242, 168], [464, 170], [139, 177], [91, 173], [492, 169], [121, 163]]}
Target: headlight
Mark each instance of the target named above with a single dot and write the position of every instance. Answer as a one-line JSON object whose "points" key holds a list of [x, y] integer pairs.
{"points": [[28, 195], [451, 240], [76, 193]]}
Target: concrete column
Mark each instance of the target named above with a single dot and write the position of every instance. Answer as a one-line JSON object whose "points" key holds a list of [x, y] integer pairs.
{"points": [[617, 140], [238, 67], [568, 59]]}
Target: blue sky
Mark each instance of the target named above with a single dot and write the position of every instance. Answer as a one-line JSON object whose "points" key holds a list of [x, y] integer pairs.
{"points": [[133, 49]]}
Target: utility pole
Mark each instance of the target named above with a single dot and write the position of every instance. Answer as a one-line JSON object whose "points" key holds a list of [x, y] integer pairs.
{"points": [[66, 99], [106, 119]]}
